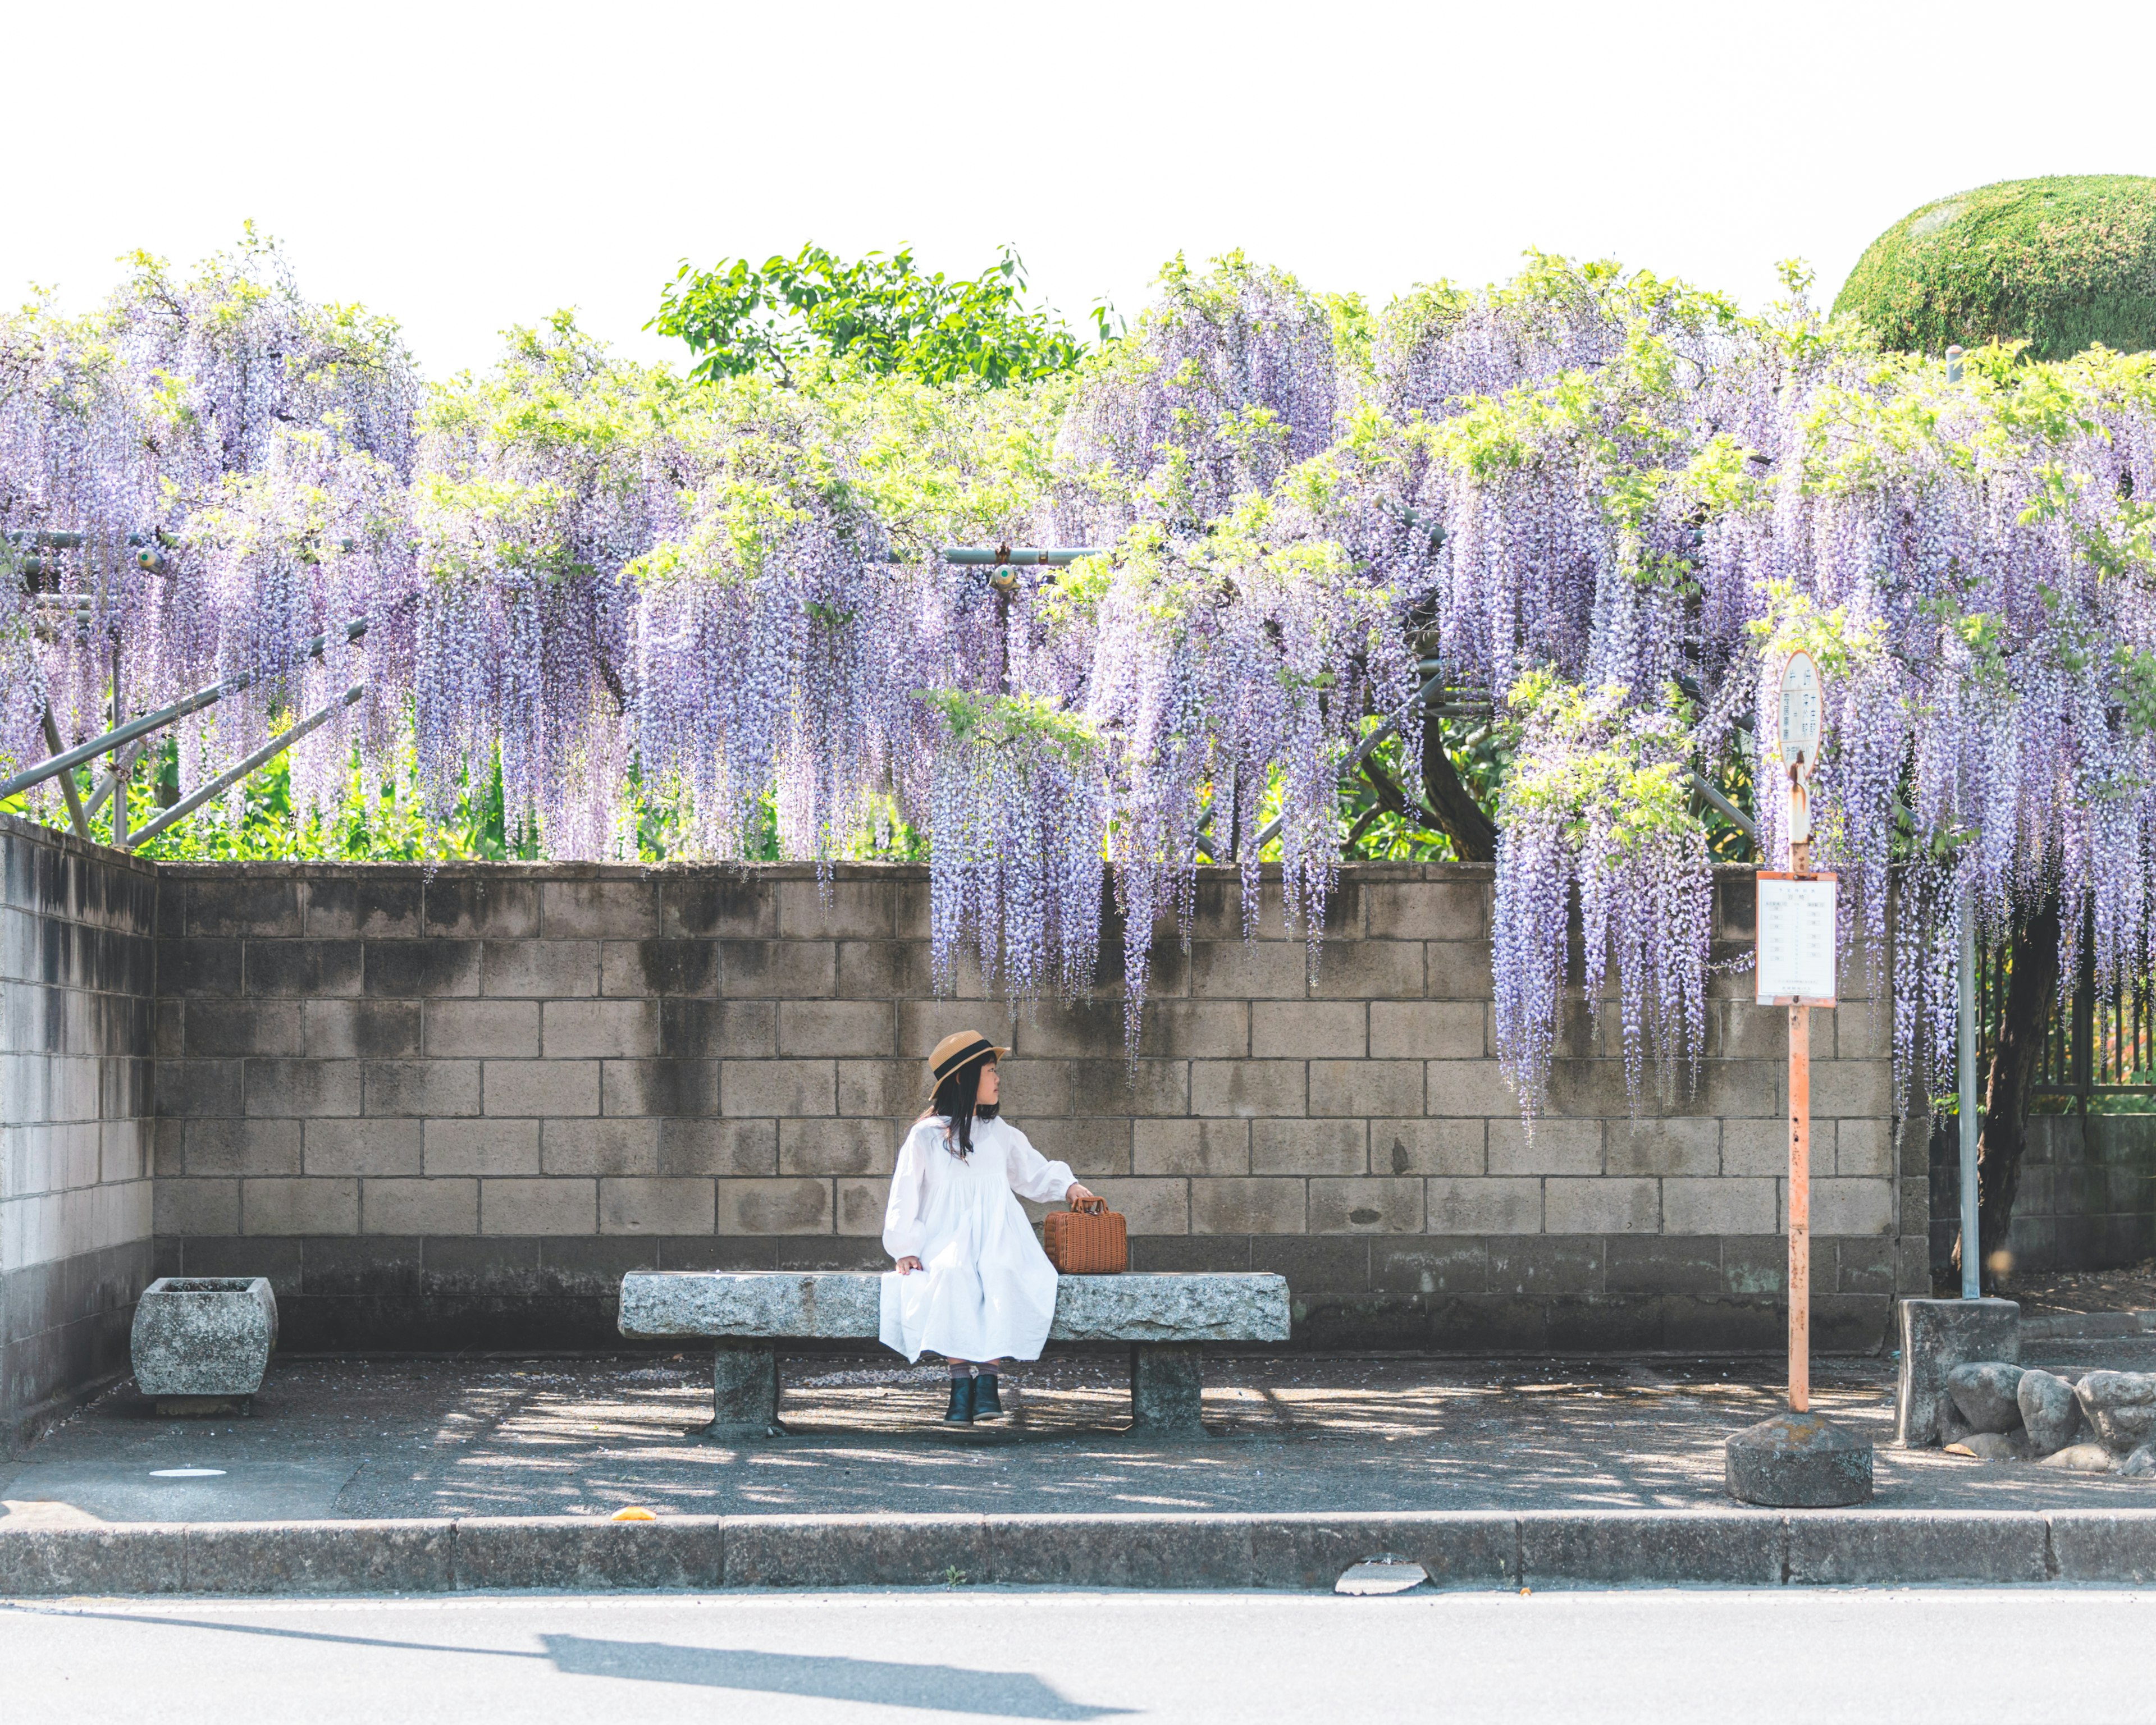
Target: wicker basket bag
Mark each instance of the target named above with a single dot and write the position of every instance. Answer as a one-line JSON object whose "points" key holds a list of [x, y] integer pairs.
{"points": [[1089, 1239]]}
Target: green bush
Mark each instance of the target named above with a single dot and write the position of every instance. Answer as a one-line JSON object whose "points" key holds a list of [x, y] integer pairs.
{"points": [[2061, 264]]}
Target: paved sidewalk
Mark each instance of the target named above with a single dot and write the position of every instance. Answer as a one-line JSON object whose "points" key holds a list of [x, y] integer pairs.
{"points": [[356, 1439]]}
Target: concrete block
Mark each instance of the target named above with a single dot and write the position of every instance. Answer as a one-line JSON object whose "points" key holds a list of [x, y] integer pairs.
{"points": [[195, 1206], [857, 1028], [425, 1089], [660, 967], [252, 904], [1366, 1087], [240, 1027], [836, 1147], [861, 1204], [1254, 970], [420, 1208], [1168, 1389], [1864, 1149], [776, 1206], [1366, 1206], [1427, 910], [836, 1551], [362, 1029], [2113, 1548], [481, 1147], [1099, 1551], [421, 969], [1309, 1146], [714, 1030], [602, 1029], [184, 1087], [301, 1206], [659, 1087], [719, 1146], [615, 910], [1906, 1547], [676, 1553], [1244, 1089], [243, 1147], [1427, 1029], [885, 970], [1190, 1147], [307, 968], [507, 1029], [839, 910], [189, 969], [1483, 1205], [552, 1087], [303, 1089], [1247, 1206], [1457, 970], [1554, 1147], [1602, 1206], [1475, 1089], [317, 1557], [1298, 1029], [1792, 1460], [1427, 1146], [614, 1146], [1718, 1206], [1690, 1148], [1458, 1548], [656, 1206], [1113, 1087], [208, 1336], [370, 908], [898, 1090], [778, 970], [1370, 970], [102, 1561], [1761, 1147], [492, 903], [1634, 1547], [718, 902], [540, 969], [1853, 1207], [777, 1088], [363, 1146], [547, 1206], [1862, 1088], [1937, 1335]]}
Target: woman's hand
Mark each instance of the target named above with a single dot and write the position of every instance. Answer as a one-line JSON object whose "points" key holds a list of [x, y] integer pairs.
{"points": [[1078, 1194], [907, 1266]]}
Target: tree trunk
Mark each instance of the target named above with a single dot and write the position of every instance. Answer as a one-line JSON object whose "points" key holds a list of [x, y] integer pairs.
{"points": [[2032, 985], [1458, 815]]}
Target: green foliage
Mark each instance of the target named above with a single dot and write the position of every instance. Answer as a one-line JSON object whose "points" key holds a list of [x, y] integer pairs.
{"points": [[1593, 758], [2061, 264], [883, 313]]}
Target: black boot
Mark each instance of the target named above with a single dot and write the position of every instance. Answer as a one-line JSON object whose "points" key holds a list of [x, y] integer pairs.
{"points": [[986, 1403], [961, 1412]]}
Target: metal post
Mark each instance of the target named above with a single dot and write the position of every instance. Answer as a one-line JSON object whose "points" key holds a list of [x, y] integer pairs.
{"points": [[1972, 1264], [1800, 1209], [76, 815]]}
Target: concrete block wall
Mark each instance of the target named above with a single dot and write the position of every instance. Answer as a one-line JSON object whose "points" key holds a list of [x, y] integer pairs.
{"points": [[2086, 1200], [449, 1108], [76, 973]]}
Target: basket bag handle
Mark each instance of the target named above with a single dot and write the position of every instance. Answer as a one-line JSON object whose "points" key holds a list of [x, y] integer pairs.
{"points": [[1089, 1206]]}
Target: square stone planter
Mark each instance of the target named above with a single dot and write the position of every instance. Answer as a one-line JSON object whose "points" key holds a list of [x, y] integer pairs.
{"points": [[201, 1343]]}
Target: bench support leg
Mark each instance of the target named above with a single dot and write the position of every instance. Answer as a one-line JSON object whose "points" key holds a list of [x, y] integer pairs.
{"points": [[744, 1391], [1166, 1379]]}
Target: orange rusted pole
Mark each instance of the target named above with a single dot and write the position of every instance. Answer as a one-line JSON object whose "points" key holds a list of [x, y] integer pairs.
{"points": [[1800, 1209]]}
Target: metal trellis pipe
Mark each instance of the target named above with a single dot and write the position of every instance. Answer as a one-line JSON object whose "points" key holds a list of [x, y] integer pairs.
{"points": [[225, 781], [66, 762]]}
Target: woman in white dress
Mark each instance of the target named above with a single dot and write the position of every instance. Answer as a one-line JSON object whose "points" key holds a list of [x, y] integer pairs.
{"points": [[972, 1283]]}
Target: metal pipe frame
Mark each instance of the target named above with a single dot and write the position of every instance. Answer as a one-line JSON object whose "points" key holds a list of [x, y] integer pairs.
{"points": [[113, 740], [225, 781]]}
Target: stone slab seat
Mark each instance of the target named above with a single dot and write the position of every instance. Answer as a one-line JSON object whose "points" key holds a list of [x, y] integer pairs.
{"points": [[1166, 1318]]}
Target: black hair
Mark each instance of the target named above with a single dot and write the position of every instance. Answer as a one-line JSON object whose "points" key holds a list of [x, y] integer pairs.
{"points": [[958, 1101]]}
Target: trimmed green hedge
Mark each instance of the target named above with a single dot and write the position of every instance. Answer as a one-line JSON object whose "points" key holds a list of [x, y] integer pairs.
{"points": [[2061, 263]]}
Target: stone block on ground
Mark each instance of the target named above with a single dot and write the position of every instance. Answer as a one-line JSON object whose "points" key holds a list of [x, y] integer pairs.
{"points": [[2079, 1458], [1983, 1391], [2141, 1463], [1798, 1462], [203, 1336], [1988, 1446], [2121, 1407], [1937, 1335], [2049, 1410]]}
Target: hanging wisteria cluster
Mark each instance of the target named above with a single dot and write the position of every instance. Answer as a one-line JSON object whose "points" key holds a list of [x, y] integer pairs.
{"points": [[1604, 503]]}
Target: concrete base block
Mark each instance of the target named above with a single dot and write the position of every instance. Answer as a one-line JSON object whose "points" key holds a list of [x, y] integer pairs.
{"points": [[1167, 1388], [1906, 1547], [1937, 1335], [1798, 1462], [203, 1336], [744, 1391], [197, 1407], [1657, 1548]]}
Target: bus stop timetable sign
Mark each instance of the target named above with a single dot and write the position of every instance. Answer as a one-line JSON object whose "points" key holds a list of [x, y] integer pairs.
{"points": [[1796, 940]]}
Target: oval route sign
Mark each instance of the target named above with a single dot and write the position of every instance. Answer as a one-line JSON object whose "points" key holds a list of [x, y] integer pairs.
{"points": [[1799, 706]]}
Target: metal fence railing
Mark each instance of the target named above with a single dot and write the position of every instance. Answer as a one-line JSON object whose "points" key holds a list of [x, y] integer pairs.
{"points": [[2099, 1055]]}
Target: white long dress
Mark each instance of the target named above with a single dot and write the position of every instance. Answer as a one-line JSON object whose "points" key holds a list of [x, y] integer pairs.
{"points": [[985, 1290]]}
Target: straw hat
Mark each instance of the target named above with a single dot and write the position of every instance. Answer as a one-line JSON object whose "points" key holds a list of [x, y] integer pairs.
{"points": [[958, 1051]]}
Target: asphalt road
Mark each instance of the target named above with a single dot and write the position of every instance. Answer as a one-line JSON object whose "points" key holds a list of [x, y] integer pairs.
{"points": [[776, 1658]]}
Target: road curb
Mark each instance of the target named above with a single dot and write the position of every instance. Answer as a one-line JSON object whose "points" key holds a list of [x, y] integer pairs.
{"points": [[1461, 1549]]}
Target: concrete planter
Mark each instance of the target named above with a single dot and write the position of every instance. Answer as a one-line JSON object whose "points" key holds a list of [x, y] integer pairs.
{"points": [[202, 1339]]}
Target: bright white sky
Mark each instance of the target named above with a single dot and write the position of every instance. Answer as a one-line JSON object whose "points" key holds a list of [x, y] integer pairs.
{"points": [[465, 167]]}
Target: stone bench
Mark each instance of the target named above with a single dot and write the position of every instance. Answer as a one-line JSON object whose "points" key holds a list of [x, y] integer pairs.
{"points": [[1167, 1320]]}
